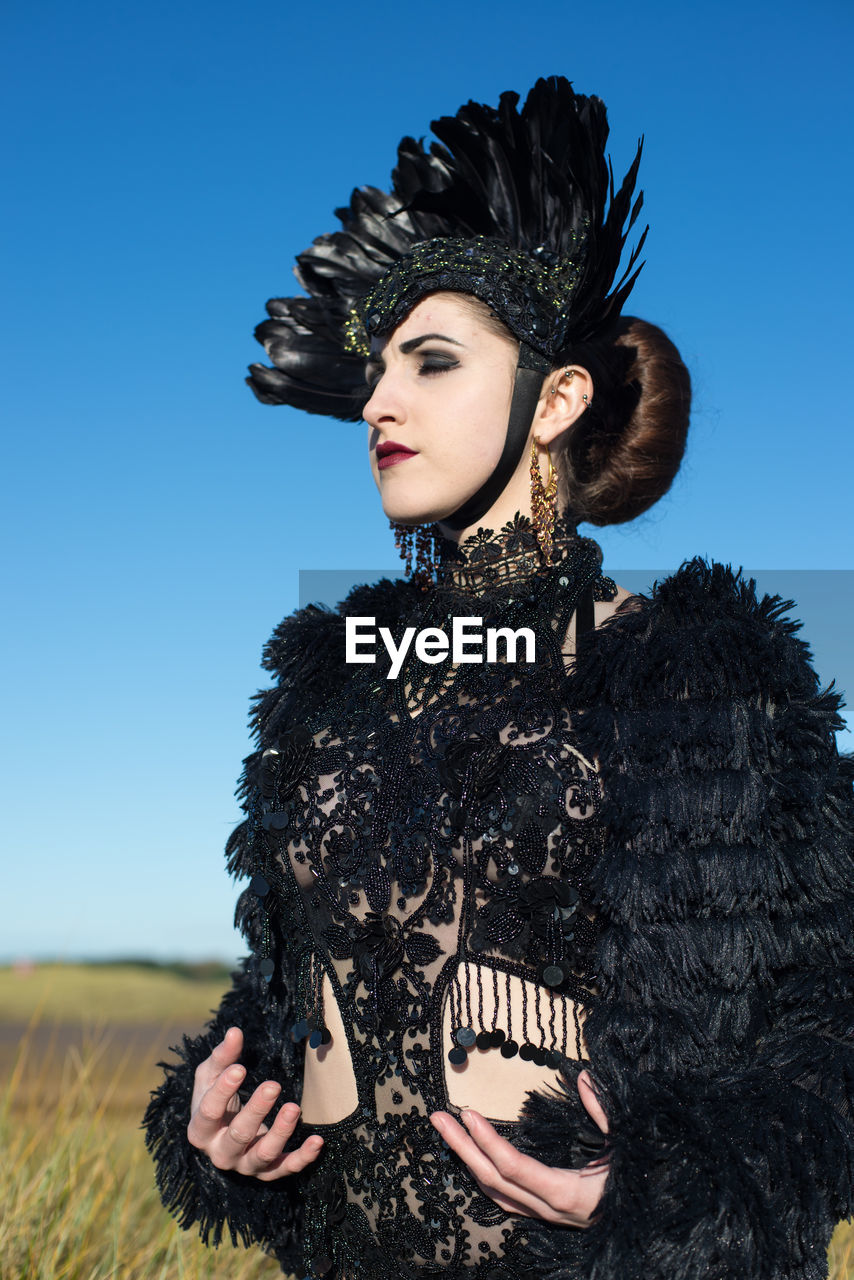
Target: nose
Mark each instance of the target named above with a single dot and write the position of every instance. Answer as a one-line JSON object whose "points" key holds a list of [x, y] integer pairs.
{"points": [[385, 406]]}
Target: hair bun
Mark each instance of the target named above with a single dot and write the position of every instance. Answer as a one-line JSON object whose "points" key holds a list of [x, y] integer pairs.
{"points": [[623, 453]]}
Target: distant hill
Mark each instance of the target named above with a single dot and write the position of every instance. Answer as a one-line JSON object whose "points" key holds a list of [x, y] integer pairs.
{"points": [[121, 991]]}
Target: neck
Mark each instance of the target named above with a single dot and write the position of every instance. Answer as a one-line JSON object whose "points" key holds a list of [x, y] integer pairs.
{"points": [[510, 554], [515, 499], [501, 514]]}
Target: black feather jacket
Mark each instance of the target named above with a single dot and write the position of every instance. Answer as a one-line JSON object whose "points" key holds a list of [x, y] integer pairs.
{"points": [[720, 1036]]}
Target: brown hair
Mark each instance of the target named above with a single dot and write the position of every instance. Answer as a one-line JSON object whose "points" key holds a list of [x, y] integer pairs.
{"points": [[623, 453]]}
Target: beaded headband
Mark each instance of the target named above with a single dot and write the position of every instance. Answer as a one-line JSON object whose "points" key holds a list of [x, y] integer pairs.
{"points": [[530, 292]]}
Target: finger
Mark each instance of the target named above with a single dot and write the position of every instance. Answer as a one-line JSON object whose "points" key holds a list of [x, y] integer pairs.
{"points": [[570, 1199], [528, 1185], [489, 1178], [558, 1195], [265, 1158], [509, 1205], [520, 1172], [206, 1121], [270, 1144], [222, 1056], [590, 1101], [245, 1127], [293, 1162], [467, 1149]]}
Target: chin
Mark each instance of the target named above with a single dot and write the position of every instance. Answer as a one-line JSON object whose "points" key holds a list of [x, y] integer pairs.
{"points": [[415, 512], [428, 497], [409, 516]]}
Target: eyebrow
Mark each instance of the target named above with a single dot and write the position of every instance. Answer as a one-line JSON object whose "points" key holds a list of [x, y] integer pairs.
{"points": [[406, 348]]}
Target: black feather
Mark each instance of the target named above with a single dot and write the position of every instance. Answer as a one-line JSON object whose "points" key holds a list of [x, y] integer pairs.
{"points": [[532, 178]]}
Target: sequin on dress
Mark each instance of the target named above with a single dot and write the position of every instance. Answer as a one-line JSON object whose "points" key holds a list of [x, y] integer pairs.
{"points": [[425, 841]]}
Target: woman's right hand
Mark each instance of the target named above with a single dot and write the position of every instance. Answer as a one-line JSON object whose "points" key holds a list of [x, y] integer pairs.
{"points": [[235, 1136]]}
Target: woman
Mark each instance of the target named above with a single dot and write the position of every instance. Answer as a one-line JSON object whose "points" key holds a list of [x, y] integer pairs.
{"points": [[586, 868]]}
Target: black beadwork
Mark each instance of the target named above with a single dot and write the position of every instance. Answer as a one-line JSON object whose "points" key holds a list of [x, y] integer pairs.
{"points": [[720, 1034], [532, 292], [435, 824]]}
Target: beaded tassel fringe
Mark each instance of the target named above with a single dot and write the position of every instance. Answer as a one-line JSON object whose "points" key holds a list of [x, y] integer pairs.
{"points": [[422, 539]]}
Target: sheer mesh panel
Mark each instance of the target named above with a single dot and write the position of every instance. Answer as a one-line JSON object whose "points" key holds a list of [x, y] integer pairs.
{"points": [[430, 850]]}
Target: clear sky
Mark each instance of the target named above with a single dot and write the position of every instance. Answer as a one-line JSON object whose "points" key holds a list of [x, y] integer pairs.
{"points": [[162, 165]]}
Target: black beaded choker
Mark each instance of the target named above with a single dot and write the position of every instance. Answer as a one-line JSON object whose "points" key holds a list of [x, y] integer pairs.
{"points": [[488, 559]]}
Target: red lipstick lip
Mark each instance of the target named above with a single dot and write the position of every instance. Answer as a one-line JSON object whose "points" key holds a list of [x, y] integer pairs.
{"points": [[389, 453]]}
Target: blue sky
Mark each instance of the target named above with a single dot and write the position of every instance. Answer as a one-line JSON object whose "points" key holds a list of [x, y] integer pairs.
{"points": [[162, 165]]}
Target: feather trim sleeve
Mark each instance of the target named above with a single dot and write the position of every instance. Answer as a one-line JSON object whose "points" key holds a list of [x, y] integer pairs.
{"points": [[306, 654], [191, 1188], [722, 1043]]}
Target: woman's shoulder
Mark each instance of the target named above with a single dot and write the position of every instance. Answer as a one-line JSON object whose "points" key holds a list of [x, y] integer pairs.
{"points": [[315, 633], [307, 653], [699, 591], [710, 670], [703, 629]]}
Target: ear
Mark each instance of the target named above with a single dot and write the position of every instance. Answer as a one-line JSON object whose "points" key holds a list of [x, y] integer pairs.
{"points": [[562, 401]]}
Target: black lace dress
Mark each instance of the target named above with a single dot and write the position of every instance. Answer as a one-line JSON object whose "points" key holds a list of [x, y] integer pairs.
{"points": [[429, 838], [640, 853]]}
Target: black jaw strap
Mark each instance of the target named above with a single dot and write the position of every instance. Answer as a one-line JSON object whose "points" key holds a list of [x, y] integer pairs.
{"points": [[584, 616], [530, 369]]}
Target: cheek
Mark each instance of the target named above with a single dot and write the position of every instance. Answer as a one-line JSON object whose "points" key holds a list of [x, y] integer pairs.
{"points": [[372, 457], [486, 416], [469, 438]]}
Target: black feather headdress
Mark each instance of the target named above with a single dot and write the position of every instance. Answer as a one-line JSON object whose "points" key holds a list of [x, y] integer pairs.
{"points": [[515, 207]]}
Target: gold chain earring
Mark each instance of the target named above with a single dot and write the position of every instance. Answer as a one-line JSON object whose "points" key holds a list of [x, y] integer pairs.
{"points": [[543, 502], [422, 540]]}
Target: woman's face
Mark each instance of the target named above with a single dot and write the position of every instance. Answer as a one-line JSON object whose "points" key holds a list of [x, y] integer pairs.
{"points": [[441, 385]]}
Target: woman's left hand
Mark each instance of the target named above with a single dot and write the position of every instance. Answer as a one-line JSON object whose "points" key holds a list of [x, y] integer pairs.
{"points": [[520, 1184]]}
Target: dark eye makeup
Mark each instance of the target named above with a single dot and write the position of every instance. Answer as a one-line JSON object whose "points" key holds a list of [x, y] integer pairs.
{"points": [[436, 362], [429, 362]]}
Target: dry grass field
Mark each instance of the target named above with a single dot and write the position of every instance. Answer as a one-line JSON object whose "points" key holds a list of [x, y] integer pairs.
{"points": [[78, 1048]]}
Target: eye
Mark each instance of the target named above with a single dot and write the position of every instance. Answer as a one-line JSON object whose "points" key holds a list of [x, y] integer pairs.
{"points": [[373, 373], [435, 362]]}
